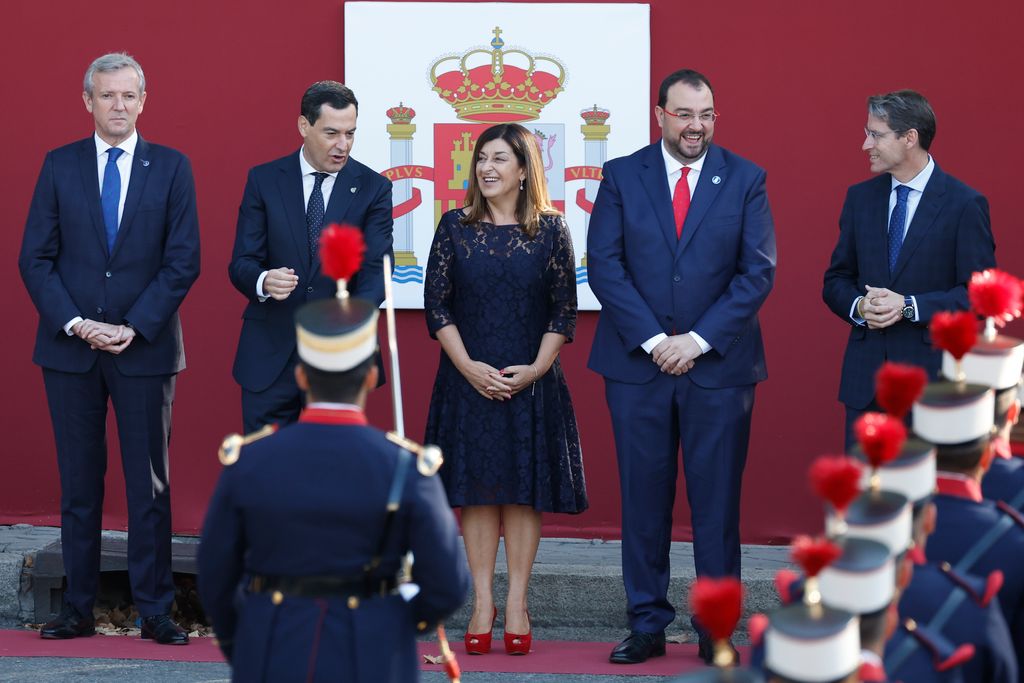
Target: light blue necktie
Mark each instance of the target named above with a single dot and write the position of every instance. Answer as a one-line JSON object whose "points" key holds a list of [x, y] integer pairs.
{"points": [[897, 222], [110, 196]]}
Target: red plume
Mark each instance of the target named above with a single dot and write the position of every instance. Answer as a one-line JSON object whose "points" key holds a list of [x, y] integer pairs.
{"points": [[897, 386], [784, 580], [996, 294], [341, 251], [881, 436], [814, 554], [717, 604], [954, 332], [757, 624], [836, 478]]}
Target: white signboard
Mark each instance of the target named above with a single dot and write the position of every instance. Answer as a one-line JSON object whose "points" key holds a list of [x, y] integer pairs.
{"points": [[431, 76]]}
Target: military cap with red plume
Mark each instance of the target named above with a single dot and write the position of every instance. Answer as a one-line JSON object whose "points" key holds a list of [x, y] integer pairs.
{"points": [[836, 478], [996, 295], [880, 436], [341, 253], [897, 386], [813, 555], [717, 605]]}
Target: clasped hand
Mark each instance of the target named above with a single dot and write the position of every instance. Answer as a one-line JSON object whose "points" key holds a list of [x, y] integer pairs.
{"points": [[880, 307], [499, 385], [675, 355], [104, 336]]}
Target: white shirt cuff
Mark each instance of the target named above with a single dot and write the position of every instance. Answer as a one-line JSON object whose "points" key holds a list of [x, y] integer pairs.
{"points": [[917, 312], [853, 311], [704, 346], [648, 346], [74, 321], [260, 294]]}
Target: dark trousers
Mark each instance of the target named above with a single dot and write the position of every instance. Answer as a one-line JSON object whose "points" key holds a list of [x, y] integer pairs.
{"points": [[78, 411], [279, 404], [650, 422]]}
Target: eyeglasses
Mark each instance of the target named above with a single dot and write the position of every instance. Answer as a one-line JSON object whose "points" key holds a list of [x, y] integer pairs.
{"points": [[875, 135], [687, 116]]}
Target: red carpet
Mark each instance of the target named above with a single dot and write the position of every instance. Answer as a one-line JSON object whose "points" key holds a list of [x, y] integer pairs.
{"points": [[552, 656]]}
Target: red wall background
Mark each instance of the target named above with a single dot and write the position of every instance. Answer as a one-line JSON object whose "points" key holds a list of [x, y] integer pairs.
{"points": [[224, 82]]}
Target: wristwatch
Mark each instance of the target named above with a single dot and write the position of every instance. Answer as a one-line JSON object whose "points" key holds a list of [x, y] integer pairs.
{"points": [[909, 312]]}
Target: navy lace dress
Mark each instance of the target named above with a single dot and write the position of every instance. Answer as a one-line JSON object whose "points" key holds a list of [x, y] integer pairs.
{"points": [[504, 291]]}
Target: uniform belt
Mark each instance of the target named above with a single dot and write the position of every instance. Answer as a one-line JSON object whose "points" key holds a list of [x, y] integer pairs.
{"points": [[322, 586]]}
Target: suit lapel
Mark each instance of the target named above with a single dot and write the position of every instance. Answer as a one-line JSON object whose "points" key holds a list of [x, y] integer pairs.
{"points": [[924, 218], [705, 194], [289, 183], [876, 250], [136, 188], [347, 185], [87, 164], [655, 182]]}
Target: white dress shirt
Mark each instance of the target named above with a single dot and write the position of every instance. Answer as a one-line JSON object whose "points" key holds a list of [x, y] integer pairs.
{"points": [[673, 169], [124, 166], [916, 185], [308, 183]]}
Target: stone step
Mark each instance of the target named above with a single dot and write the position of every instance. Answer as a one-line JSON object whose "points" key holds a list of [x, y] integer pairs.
{"points": [[576, 589]]}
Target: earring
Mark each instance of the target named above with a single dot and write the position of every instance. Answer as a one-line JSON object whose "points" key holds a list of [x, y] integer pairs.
{"points": [[520, 184]]}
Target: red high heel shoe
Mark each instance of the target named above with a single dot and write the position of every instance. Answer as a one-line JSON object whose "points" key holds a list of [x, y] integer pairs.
{"points": [[519, 643], [480, 643]]}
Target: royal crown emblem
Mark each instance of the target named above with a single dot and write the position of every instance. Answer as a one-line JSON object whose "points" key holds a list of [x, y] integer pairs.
{"points": [[497, 85]]}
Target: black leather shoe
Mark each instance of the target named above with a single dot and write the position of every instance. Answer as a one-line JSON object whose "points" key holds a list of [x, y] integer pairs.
{"points": [[638, 647], [706, 651], [68, 624], [163, 630]]}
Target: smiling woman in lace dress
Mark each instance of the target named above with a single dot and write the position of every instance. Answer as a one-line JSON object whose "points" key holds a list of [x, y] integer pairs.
{"points": [[500, 296]]}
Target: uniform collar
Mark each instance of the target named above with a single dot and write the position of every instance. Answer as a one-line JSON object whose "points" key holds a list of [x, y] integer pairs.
{"points": [[333, 414], [958, 486]]}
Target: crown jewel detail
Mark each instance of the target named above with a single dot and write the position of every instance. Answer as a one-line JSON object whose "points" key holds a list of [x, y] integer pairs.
{"points": [[485, 88]]}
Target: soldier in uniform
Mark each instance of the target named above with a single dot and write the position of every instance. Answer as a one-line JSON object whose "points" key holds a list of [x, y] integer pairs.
{"points": [[973, 618], [972, 535], [311, 523]]}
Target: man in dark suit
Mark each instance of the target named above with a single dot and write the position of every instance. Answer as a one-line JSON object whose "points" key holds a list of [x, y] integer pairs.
{"points": [[274, 263], [681, 254], [111, 248], [317, 519], [908, 243]]}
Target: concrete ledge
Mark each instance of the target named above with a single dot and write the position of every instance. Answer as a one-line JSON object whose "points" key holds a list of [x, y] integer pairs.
{"points": [[576, 586]]}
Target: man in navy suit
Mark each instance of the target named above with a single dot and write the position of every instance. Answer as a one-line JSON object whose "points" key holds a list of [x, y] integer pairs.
{"points": [[681, 254], [111, 248], [909, 241], [275, 264]]}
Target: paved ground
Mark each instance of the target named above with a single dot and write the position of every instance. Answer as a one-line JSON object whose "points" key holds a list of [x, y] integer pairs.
{"points": [[44, 670], [575, 594]]}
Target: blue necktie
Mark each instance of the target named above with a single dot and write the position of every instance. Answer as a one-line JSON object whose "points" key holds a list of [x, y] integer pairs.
{"points": [[110, 196], [315, 215], [897, 222]]}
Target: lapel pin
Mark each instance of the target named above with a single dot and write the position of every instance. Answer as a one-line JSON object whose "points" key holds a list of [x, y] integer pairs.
{"points": [[353, 189], [145, 162], [716, 180]]}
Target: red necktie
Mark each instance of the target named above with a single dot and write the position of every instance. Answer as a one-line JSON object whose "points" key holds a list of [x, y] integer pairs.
{"points": [[681, 200]]}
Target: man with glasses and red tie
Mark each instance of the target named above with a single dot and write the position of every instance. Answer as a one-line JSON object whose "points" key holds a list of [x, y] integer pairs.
{"points": [[909, 241], [681, 255]]}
